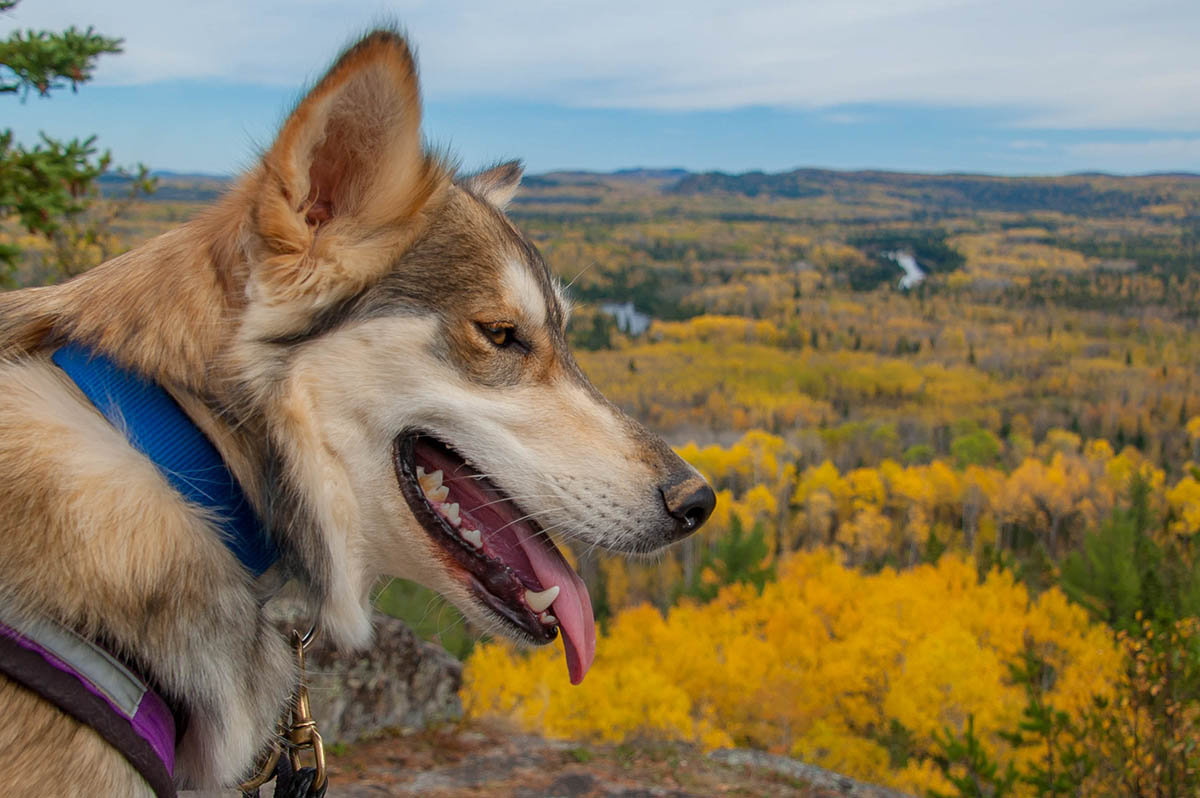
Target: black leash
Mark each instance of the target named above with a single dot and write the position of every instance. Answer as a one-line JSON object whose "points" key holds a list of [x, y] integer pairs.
{"points": [[291, 783]]}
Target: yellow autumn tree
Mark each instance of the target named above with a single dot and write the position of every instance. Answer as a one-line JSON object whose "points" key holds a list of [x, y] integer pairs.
{"points": [[821, 665]]}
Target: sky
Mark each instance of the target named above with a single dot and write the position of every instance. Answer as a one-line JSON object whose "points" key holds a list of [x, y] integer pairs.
{"points": [[1012, 87]]}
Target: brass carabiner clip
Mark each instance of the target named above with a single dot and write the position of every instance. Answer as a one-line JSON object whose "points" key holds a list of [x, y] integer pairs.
{"points": [[264, 774], [302, 731], [297, 729]]}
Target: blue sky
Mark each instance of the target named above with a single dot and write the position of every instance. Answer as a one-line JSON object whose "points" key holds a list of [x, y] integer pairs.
{"points": [[1017, 87]]}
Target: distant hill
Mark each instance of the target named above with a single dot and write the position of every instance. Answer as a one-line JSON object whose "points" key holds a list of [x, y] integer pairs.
{"points": [[652, 174], [172, 186], [1092, 194], [938, 195]]}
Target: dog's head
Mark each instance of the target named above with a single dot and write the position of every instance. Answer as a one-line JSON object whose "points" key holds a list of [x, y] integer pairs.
{"points": [[406, 345]]}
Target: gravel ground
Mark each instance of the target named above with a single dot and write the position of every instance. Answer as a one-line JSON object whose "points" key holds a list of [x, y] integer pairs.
{"points": [[490, 760], [475, 760]]}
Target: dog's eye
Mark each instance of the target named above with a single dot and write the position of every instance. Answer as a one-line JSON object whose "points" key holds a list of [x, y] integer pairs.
{"points": [[501, 335]]}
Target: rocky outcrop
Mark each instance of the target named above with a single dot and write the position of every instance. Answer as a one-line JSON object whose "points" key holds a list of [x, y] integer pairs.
{"points": [[400, 682], [813, 776], [491, 758]]}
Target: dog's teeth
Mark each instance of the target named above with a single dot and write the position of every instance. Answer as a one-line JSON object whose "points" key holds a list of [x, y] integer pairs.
{"points": [[451, 513], [547, 619], [429, 482], [540, 601], [420, 471], [473, 536], [439, 494]]}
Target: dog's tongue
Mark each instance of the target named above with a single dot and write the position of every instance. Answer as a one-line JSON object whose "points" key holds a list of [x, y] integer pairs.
{"points": [[573, 607]]}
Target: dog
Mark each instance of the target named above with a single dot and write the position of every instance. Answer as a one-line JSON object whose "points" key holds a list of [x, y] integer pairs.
{"points": [[378, 356]]}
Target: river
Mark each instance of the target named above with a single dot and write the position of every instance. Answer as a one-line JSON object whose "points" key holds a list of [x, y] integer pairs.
{"points": [[913, 275]]}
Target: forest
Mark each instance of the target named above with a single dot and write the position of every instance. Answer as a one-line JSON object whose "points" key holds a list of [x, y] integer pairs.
{"points": [[955, 549]]}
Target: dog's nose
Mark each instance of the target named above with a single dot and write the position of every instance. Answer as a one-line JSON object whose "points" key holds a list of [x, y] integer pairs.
{"points": [[689, 500]]}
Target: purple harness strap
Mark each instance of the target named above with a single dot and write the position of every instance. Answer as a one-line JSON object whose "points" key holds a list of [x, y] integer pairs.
{"points": [[87, 683]]}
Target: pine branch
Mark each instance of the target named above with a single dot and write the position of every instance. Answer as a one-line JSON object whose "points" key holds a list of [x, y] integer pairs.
{"points": [[44, 61]]}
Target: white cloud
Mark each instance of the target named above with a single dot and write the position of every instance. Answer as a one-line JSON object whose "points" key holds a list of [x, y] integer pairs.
{"points": [[845, 117], [1060, 63]]}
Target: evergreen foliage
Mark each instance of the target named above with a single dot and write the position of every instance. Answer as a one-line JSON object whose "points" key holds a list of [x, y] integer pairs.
{"points": [[736, 558], [1123, 574], [51, 185], [968, 766], [1061, 767], [43, 61]]}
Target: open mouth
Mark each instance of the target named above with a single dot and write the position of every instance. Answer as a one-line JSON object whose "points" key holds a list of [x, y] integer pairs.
{"points": [[510, 563]]}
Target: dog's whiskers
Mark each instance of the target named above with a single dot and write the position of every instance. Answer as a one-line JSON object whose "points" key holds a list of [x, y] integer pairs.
{"points": [[580, 273], [476, 477], [514, 498], [382, 589], [460, 619], [575, 531], [527, 516]]}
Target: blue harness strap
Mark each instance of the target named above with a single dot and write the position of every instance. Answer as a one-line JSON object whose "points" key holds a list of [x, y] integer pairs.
{"points": [[157, 427]]}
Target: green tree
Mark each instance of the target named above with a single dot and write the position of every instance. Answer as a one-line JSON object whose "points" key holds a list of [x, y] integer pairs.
{"points": [[977, 447], [1123, 574], [966, 764], [737, 557], [51, 187], [1061, 766], [1149, 591]]}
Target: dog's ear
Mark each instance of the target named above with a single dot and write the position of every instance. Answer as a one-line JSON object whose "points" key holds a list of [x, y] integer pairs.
{"points": [[497, 185], [345, 182]]}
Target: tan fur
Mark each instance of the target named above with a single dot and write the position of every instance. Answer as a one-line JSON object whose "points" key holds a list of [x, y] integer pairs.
{"points": [[331, 301], [90, 768], [352, 149], [97, 539], [497, 185]]}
